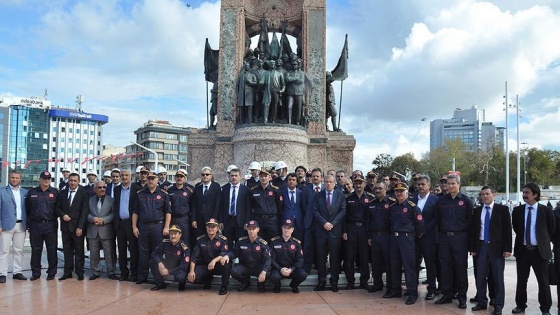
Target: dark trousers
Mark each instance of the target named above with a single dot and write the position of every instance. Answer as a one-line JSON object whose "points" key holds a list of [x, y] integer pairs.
{"points": [[557, 264], [426, 249], [268, 226], [490, 281], [356, 246], [453, 256], [308, 249], [73, 249], [525, 259], [380, 260], [184, 224], [243, 273], [203, 275], [232, 231], [151, 236], [486, 265], [40, 232], [180, 276], [127, 241], [403, 256], [328, 246], [298, 275]]}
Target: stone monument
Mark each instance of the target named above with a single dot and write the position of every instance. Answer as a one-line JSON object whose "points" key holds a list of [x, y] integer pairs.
{"points": [[307, 143]]}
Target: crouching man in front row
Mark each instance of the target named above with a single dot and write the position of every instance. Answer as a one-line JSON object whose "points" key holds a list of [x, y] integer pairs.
{"points": [[287, 258], [171, 257], [254, 258]]}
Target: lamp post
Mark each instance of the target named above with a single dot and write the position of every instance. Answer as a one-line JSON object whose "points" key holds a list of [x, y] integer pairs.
{"points": [[524, 163], [151, 151]]}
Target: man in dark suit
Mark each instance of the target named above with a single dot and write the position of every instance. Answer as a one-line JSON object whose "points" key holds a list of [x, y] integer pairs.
{"points": [[307, 195], [122, 222], [490, 244], [329, 208], [426, 245], [534, 225], [115, 182], [100, 231], [72, 209], [89, 186], [206, 202], [292, 208], [235, 208]]}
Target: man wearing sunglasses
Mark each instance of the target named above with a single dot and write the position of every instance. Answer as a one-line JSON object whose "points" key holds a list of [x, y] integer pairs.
{"points": [[206, 202]]}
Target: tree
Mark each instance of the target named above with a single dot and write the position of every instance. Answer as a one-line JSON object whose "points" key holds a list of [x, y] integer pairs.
{"points": [[382, 163], [405, 164]]}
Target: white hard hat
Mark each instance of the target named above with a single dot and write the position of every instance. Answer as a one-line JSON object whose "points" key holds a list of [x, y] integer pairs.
{"points": [[116, 170], [255, 165], [107, 173], [66, 170], [91, 172], [161, 169], [280, 165], [182, 171], [139, 168], [231, 167]]}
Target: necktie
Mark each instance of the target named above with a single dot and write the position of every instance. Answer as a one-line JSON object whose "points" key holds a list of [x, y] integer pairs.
{"points": [[528, 228], [70, 197], [232, 203], [205, 190], [292, 197], [329, 201], [99, 204], [317, 189], [487, 225]]}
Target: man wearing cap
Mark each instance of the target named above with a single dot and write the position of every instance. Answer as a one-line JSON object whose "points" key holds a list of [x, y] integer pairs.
{"points": [[287, 258], [141, 179], [254, 168], [115, 182], [254, 258], [100, 231], [266, 202], [163, 183], [151, 217], [89, 186], [371, 179], [107, 177], [406, 223], [43, 225], [181, 196], [137, 173], [206, 202], [64, 180], [453, 213], [329, 209], [292, 206], [379, 227], [171, 257], [210, 257], [13, 224], [355, 233], [125, 195], [72, 209], [236, 207], [443, 186], [307, 195], [281, 169]]}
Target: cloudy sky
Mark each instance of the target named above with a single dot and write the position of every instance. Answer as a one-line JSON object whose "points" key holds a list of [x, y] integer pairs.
{"points": [[408, 60]]}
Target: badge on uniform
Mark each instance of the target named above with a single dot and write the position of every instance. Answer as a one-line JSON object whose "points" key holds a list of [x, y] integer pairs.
{"points": [[258, 248], [366, 200], [386, 206], [185, 193], [51, 195], [225, 247], [405, 210], [419, 217], [163, 257], [293, 246], [281, 198], [178, 253], [186, 258], [158, 197], [270, 193], [461, 203], [218, 243]]}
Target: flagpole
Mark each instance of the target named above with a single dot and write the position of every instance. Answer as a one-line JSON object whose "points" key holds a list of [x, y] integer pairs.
{"points": [[340, 104], [207, 113]]}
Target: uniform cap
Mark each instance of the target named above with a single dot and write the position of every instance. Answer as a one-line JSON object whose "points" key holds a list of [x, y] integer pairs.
{"points": [[107, 174], [288, 222], [212, 221], [443, 179], [394, 177], [264, 171], [151, 175], [253, 223], [359, 177], [91, 172], [45, 175], [175, 228], [144, 170], [181, 171], [371, 174], [401, 186]]}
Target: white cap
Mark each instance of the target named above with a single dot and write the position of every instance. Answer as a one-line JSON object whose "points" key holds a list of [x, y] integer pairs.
{"points": [[255, 165], [115, 170], [107, 173], [280, 165], [138, 168], [66, 170], [161, 169], [182, 171], [231, 167], [91, 172]]}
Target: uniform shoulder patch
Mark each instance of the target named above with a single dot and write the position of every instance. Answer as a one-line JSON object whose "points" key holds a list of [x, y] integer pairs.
{"points": [[201, 236], [263, 241], [412, 204], [141, 190], [190, 189], [275, 238], [243, 238], [275, 187], [254, 187], [370, 194], [166, 240], [164, 191], [392, 199], [298, 241], [348, 195], [221, 236], [184, 246]]}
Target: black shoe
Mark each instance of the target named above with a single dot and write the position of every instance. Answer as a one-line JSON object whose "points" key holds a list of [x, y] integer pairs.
{"points": [[375, 289], [350, 286], [17, 276], [518, 310], [462, 305], [50, 277], [276, 289], [425, 282], [2, 279], [364, 286], [295, 289], [262, 288], [410, 300], [320, 287], [473, 300], [334, 287], [243, 286], [479, 307], [140, 281], [80, 277], [455, 296], [124, 277], [497, 312], [430, 296], [491, 302], [207, 285], [443, 300], [159, 286], [391, 295], [545, 313], [113, 277], [133, 279], [33, 278], [66, 276], [223, 290], [181, 286], [93, 277]]}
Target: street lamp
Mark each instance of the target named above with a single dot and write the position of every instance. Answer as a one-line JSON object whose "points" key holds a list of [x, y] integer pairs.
{"points": [[524, 163]]}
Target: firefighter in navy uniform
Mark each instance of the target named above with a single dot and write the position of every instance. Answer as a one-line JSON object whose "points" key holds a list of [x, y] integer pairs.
{"points": [[379, 227], [171, 257], [287, 258], [406, 223], [254, 258], [211, 256], [151, 217], [266, 203], [180, 195], [355, 233]]}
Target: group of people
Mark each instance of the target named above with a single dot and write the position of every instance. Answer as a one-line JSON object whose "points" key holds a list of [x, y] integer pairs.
{"points": [[279, 224]]}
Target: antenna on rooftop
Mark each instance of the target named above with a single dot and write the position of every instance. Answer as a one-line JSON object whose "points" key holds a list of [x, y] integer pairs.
{"points": [[46, 94], [79, 100]]}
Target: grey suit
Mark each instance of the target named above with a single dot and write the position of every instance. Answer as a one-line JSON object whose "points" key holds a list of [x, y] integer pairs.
{"points": [[13, 228], [101, 235]]}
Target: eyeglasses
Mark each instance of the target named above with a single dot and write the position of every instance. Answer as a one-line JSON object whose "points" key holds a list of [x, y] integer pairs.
{"points": [[205, 174], [102, 187], [180, 176]]}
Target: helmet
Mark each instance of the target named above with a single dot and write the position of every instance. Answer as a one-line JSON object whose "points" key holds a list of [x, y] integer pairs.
{"points": [[231, 167], [280, 165], [139, 168], [255, 165], [91, 172], [161, 169], [107, 174]]}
